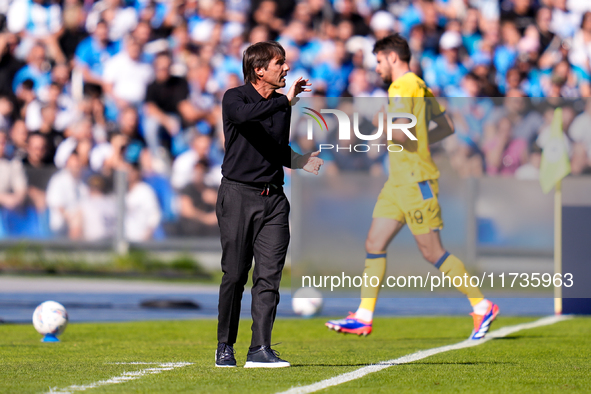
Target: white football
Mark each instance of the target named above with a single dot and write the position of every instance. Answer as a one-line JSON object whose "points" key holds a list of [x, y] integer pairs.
{"points": [[306, 301], [50, 317]]}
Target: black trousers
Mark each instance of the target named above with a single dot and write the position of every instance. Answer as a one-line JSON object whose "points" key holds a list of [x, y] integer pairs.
{"points": [[251, 225]]}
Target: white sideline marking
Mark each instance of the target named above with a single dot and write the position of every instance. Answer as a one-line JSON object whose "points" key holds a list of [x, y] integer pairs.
{"points": [[124, 377], [359, 373]]}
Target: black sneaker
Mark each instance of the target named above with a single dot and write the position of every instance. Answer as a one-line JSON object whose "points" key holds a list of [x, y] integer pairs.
{"points": [[224, 356], [264, 357]]}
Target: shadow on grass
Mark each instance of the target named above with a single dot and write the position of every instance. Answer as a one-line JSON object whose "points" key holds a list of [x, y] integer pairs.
{"points": [[330, 365], [433, 339], [459, 363], [20, 345], [404, 364], [528, 337]]}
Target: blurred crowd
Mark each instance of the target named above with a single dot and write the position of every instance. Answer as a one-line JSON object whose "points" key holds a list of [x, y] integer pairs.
{"points": [[88, 88], [506, 136]]}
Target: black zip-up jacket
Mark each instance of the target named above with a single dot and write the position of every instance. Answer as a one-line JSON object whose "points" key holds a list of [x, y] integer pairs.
{"points": [[257, 136]]}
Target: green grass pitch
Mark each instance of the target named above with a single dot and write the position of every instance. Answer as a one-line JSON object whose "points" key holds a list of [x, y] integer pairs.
{"points": [[555, 358]]}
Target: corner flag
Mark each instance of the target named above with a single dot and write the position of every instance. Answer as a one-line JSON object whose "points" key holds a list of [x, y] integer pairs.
{"points": [[555, 166], [555, 163]]}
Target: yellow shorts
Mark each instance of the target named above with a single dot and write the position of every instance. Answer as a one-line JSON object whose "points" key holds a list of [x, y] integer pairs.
{"points": [[415, 204]]}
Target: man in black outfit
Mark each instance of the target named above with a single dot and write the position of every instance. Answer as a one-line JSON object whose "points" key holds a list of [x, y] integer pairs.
{"points": [[251, 208]]}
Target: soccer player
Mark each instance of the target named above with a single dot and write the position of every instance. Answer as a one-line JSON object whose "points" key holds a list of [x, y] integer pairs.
{"points": [[410, 194]]}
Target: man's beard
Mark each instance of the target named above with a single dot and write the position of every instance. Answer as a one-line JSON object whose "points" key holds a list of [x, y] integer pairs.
{"points": [[387, 76]]}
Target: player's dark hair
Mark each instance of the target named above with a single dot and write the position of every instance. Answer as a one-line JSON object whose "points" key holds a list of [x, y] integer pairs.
{"points": [[259, 55], [393, 43]]}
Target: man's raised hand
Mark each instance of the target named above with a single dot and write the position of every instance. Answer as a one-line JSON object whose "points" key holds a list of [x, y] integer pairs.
{"points": [[298, 87]]}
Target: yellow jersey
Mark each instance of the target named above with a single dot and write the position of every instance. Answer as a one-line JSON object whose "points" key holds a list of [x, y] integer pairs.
{"points": [[413, 164]]}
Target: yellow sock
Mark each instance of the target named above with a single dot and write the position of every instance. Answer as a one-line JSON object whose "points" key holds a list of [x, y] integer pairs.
{"points": [[452, 267], [375, 265]]}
